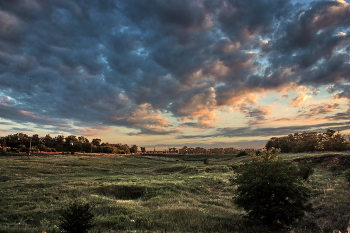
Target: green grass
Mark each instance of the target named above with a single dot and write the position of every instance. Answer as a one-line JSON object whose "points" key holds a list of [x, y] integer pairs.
{"points": [[149, 194]]}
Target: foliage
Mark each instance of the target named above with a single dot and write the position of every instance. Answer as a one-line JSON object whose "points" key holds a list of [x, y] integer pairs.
{"points": [[267, 155], [77, 218], [271, 191], [42, 147], [61, 143], [242, 153], [309, 142], [134, 149]]}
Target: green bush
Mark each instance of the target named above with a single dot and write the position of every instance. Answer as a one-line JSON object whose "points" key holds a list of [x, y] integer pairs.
{"points": [[242, 153], [77, 218], [206, 161], [272, 192]]}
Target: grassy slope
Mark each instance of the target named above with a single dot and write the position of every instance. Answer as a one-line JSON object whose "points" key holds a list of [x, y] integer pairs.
{"points": [[179, 194]]}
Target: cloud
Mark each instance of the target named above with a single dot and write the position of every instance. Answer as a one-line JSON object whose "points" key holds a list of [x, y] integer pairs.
{"points": [[257, 114], [8, 111], [146, 118], [320, 110], [136, 64], [303, 96], [250, 132], [343, 91], [6, 123]]}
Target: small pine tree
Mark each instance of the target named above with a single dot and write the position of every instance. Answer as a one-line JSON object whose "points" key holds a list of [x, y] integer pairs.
{"points": [[271, 191], [77, 218]]}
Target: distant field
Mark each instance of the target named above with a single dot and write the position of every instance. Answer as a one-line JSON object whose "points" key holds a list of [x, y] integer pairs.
{"points": [[132, 193]]}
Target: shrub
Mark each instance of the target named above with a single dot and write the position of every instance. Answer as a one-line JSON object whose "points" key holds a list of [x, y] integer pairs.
{"points": [[271, 191], [206, 161], [242, 153], [77, 218]]}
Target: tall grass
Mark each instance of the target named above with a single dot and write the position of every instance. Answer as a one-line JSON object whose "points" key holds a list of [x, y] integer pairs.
{"points": [[133, 193]]}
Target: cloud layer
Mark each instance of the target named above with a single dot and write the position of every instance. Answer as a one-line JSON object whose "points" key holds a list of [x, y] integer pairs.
{"points": [[141, 64]]}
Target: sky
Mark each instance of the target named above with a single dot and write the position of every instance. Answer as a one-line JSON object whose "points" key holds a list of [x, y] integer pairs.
{"points": [[161, 73]]}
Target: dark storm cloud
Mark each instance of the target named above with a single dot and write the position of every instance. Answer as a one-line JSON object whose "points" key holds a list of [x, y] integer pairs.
{"points": [[340, 91], [126, 63], [309, 43]]}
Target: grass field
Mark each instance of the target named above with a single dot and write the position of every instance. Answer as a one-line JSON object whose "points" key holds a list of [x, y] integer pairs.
{"points": [[152, 193]]}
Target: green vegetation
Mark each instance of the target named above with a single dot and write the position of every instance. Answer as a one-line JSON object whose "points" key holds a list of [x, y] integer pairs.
{"points": [[242, 153], [154, 193], [21, 142], [272, 191], [76, 218], [309, 142]]}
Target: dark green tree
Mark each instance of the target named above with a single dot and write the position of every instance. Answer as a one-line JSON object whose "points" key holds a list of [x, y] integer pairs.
{"points": [[77, 218], [271, 191], [96, 141], [134, 149]]}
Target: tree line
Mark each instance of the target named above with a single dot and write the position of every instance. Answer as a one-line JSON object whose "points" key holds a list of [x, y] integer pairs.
{"points": [[309, 142], [21, 142]]}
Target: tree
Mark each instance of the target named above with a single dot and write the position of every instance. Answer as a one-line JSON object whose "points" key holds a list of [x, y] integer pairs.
{"points": [[83, 139], [77, 218], [60, 139], [271, 191], [35, 140], [143, 149], [41, 147], [134, 149], [3, 142], [96, 141], [48, 141], [302, 142]]}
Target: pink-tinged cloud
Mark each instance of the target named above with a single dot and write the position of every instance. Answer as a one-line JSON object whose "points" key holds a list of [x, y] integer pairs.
{"points": [[321, 109]]}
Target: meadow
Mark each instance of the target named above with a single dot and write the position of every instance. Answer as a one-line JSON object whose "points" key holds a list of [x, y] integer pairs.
{"points": [[170, 193]]}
